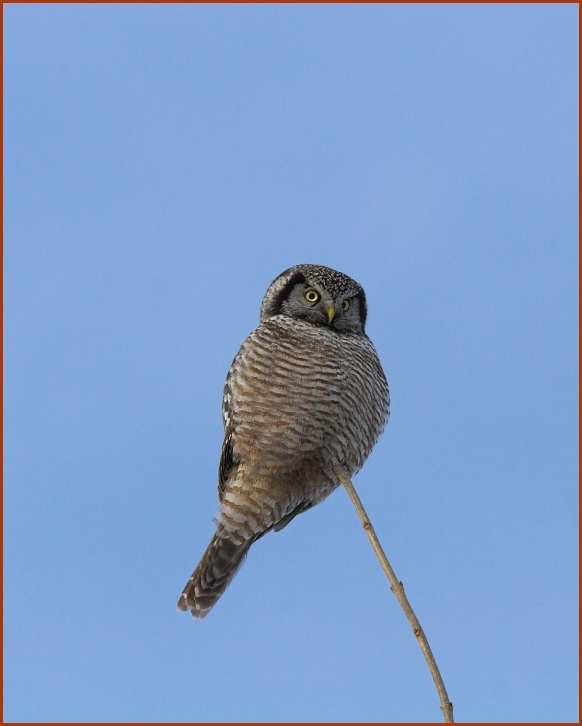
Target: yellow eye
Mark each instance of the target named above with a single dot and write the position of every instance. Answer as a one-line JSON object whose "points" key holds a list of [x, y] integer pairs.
{"points": [[311, 296], [345, 305]]}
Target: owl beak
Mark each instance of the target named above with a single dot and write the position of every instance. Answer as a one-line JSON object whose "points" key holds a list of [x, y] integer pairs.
{"points": [[331, 314]]}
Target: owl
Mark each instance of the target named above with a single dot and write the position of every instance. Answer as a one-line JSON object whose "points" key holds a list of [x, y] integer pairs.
{"points": [[305, 392]]}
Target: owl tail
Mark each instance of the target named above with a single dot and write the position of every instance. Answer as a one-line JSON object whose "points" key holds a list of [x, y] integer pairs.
{"points": [[219, 564]]}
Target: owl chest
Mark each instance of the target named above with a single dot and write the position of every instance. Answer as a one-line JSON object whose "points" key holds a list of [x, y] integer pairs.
{"points": [[295, 397]]}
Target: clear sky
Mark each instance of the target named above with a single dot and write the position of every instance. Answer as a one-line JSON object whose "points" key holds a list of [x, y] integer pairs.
{"points": [[162, 165]]}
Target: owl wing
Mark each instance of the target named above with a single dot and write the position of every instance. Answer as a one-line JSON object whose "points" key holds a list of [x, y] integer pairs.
{"points": [[302, 507], [226, 466], [227, 461]]}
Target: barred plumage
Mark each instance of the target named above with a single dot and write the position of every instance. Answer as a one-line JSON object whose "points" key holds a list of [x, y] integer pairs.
{"points": [[306, 390]]}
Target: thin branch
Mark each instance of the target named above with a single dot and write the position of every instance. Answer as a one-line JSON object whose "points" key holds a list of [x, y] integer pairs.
{"points": [[398, 589]]}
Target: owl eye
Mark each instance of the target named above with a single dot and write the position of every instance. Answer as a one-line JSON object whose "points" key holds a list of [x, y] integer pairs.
{"points": [[345, 305], [312, 296]]}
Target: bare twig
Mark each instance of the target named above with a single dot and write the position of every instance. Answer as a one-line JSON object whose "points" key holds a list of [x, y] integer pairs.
{"points": [[398, 589]]}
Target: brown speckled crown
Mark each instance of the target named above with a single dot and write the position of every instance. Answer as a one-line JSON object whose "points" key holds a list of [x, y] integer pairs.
{"points": [[336, 283]]}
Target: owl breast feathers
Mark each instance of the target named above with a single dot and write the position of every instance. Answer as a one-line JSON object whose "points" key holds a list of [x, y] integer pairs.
{"points": [[305, 391]]}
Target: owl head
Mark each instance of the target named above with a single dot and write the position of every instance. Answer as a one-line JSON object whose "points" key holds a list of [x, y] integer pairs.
{"points": [[320, 296]]}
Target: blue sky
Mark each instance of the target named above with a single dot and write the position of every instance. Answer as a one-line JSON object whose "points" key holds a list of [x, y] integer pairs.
{"points": [[162, 165]]}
